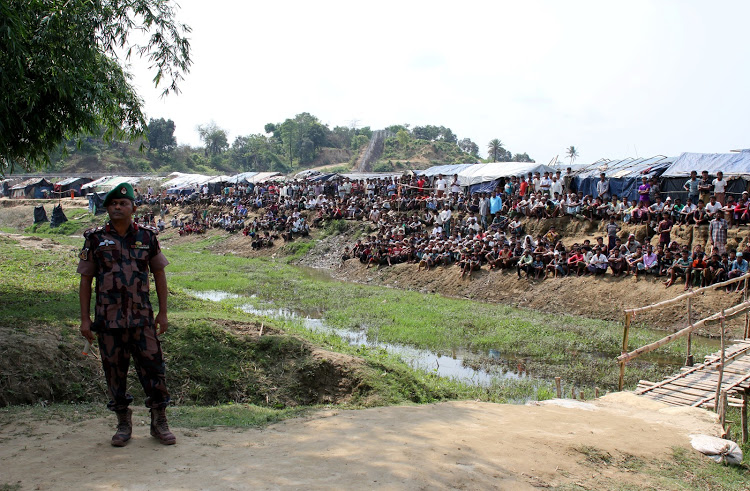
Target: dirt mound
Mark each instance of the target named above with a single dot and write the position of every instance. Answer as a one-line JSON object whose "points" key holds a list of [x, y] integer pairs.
{"points": [[45, 364]]}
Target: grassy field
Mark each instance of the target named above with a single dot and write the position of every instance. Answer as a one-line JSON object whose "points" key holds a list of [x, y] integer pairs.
{"points": [[579, 350]]}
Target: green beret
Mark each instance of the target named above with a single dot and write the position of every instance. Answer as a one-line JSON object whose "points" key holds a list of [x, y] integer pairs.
{"points": [[123, 190]]}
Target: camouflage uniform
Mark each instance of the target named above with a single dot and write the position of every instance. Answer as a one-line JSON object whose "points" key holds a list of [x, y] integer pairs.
{"points": [[124, 319]]}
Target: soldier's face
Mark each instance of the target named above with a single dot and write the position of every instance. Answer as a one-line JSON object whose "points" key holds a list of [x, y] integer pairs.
{"points": [[120, 208]]}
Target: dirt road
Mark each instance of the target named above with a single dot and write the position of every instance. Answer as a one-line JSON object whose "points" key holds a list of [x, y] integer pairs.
{"points": [[466, 445]]}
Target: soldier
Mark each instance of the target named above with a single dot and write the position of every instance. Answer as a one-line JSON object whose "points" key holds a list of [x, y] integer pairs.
{"points": [[120, 255]]}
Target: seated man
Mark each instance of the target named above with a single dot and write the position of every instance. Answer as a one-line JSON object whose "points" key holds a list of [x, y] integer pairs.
{"points": [[524, 264], [598, 263], [617, 263], [678, 269], [695, 273]]}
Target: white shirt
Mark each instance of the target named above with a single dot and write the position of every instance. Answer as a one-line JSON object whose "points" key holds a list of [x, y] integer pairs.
{"points": [[441, 184], [719, 186]]}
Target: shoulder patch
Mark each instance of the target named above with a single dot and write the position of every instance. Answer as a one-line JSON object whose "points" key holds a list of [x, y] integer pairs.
{"points": [[150, 228], [92, 231]]}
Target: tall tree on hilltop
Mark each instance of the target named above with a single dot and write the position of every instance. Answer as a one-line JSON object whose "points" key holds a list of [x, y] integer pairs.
{"points": [[495, 148], [161, 135], [572, 154]]}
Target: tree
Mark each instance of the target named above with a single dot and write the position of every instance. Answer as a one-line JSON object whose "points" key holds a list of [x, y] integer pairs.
{"points": [[572, 154], [213, 137], [161, 135], [403, 138], [522, 157], [62, 72], [495, 149], [468, 146]]}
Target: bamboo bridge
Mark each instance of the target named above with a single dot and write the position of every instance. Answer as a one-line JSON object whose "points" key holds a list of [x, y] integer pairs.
{"points": [[722, 380]]}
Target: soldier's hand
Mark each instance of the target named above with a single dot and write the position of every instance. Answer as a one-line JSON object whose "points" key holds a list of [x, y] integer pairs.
{"points": [[86, 330], [161, 323]]}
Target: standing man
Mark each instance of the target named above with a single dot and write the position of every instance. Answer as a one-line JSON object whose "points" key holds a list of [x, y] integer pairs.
{"points": [[720, 186], [602, 187], [717, 231], [691, 186], [120, 255]]}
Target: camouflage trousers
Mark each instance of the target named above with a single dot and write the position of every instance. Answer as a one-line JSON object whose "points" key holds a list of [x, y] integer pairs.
{"points": [[117, 347]]}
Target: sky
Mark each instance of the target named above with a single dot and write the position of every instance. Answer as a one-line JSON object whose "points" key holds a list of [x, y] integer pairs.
{"points": [[613, 79]]}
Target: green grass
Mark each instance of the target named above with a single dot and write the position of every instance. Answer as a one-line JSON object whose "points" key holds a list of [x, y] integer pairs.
{"points": [[232, 415], [577, 349]]}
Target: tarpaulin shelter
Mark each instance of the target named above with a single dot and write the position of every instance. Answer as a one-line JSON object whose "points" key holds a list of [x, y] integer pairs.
{"points": [[242, 178], [479, 173], [91, 186], [624, 175], [70, 184], [735, 167], [116, 181], [5, 187], [34, 188], [40, 216], [446, 170], [360, 176], [96, 203], [58, 217]]}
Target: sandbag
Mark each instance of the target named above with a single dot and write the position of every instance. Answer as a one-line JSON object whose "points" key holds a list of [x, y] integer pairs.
{"points": [[719, 449], [58, 217], [40, 216]]}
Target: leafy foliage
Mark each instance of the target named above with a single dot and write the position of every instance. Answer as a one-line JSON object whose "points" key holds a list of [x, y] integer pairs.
{"points": [[161, 135], [61, 74]]}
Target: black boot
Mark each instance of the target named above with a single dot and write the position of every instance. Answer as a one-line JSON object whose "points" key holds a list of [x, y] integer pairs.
{"points": [[124, 428], [160, 428]]}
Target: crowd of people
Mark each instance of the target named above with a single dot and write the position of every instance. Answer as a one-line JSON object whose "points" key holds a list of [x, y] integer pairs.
{"points": [[436, 223]]}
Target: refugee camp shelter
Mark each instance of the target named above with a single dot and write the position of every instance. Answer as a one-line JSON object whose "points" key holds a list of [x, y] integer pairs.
{"points": [[485, 177], [624, 175], [90, 187], [735, 167], [5, 187], [34, 188], [445, 170], [64, 187]]}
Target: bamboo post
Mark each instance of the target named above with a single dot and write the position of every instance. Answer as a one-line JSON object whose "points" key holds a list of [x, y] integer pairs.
{"points": [[596, 392], [747, 315], [572, 392], [721, 364], [625, 334], [558, 387], [689, 355], [723, 409], [743, 416], [580, 394]]}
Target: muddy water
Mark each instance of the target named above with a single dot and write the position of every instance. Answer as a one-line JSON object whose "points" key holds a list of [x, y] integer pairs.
{"points": [[449, 364]]}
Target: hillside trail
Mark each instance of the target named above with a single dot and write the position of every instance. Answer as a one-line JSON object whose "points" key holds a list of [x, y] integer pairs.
{"points": [[467, 445]]}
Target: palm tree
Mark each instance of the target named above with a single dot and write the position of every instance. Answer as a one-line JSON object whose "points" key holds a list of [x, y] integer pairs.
{"points": [[494, 148], [572, 154]]}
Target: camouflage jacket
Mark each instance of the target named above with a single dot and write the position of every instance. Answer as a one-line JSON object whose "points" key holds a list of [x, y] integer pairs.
{"points": [[121, 266]]}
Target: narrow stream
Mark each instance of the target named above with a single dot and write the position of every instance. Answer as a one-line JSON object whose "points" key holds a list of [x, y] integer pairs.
{"points": [[450, 365]]}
